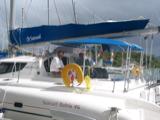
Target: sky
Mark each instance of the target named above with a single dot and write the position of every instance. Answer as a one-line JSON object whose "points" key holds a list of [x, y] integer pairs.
{"points": [[87, 11]]}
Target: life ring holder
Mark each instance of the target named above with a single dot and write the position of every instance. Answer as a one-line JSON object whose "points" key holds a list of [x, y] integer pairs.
{"points": [[70, 73]]}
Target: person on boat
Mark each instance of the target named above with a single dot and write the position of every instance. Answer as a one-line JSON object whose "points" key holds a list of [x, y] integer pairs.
{"points": [[100, 58], [112, 57], [57, 63], [80, 60], [109, 59]]}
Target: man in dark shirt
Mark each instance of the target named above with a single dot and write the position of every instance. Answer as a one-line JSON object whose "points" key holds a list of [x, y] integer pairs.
{"points": [[80, 60]]}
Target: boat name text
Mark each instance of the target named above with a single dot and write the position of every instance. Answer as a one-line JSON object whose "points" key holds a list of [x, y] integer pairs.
{"points": [[61, 104], [33, 38]]}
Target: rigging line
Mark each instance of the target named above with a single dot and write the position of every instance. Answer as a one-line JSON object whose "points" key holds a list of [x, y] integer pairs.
{"points": [[4, 97], [74, 10], [1, 19], [1, 26], [65, 5], [25, 4], [146, 46], [57, 12], [29, 6], [91, 13], [6, 19], [25, 8], [26, 12], [6, 14], [22, 17], [48, 3], [157, 15], [151, 52]]}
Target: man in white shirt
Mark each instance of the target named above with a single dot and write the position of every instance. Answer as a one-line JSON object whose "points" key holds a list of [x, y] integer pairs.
{"points": [[57, 64]]}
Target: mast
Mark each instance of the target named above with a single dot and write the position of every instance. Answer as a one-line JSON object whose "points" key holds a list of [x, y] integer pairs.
{"points": [[11, 25], [48, 2], [12, 15]]}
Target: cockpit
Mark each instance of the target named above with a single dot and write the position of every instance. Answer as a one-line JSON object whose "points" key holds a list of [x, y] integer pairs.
{"points": [[95, 72], [95, 60]]}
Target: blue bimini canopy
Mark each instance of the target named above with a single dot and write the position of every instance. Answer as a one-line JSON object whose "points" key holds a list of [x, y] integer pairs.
{"points": [[104, 41], [49, 33], [136, 47]]}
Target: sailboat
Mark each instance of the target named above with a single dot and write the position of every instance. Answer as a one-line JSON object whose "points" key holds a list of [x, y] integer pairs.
{"points": [[28, 91]]}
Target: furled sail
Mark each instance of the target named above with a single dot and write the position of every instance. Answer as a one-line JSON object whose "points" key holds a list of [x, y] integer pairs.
{"points": [[45, 33]]}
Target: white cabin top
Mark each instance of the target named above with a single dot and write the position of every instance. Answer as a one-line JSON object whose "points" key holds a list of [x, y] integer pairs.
{"points": [[25, 59]]}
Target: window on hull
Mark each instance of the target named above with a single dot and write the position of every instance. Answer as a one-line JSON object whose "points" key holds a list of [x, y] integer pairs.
{"points": [[11, 67]]}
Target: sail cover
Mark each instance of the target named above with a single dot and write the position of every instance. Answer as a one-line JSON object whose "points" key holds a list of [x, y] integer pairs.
{"points": [[46, 33], [3, 54]]}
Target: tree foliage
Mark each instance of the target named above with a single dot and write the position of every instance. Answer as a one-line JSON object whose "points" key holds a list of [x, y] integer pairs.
{"points": [[120, 58]]}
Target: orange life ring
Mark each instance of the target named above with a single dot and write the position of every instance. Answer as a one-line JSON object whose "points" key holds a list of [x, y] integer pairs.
{"points": [[70, 73]]}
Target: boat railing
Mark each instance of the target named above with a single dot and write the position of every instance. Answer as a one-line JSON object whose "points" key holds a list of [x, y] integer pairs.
{"points": [[150, 78], [152, 75]]}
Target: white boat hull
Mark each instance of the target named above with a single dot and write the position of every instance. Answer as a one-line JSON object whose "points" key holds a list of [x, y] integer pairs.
{"points": [[46, 104]]}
